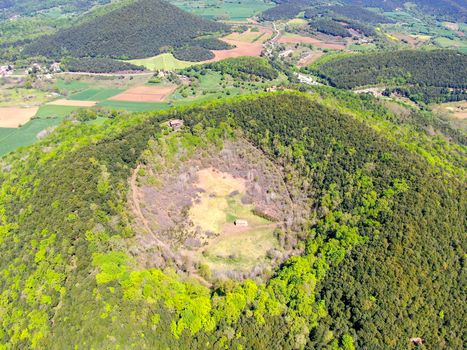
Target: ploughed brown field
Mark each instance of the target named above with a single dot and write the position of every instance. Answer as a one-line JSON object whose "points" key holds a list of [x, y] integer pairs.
{"points": [[242, 49], [145, 94], [14, 117]]}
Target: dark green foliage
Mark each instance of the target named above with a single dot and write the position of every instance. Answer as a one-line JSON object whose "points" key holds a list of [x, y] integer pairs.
{"points": [[193, 53], [10, 8], [140, 29], [282, 11], [454, 9], [99, 65], [213, 44], [245, 67], [429, 72], [358, 13], [330, 27]]}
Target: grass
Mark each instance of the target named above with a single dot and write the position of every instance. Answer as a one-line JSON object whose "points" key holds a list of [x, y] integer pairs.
{"points": [[70, 86], [11, 139], [240, 251], [134, 106], [297, 22], [21, 97], [165, 61], [51, 111], [95, 94], [451, 43], [240, 248]]}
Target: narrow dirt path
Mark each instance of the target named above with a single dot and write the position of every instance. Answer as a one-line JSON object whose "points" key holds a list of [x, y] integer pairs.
{"points": [[135, 200]]}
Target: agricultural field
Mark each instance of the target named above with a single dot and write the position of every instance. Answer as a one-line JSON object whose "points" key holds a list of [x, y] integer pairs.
{"points": [[133, 106], [229, 10], [13, 138], [14, 117], [145, 94], [95, 94]]}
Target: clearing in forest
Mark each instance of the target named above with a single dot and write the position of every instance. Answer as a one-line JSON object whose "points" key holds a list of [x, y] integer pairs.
{"points": [[226, 209], [145, 94], [251, 36], [14, 117]]}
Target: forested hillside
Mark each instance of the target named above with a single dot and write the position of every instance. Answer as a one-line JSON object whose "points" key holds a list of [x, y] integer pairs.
{"points": [[450, 8], [140, 29], [381, 257], [10, 8], [428, 76]]}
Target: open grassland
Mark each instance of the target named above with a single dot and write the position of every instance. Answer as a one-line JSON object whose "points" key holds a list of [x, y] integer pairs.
{"points": [[234, 10], [456, 110], [21, 97], [165, 61], [251, 36], [218, 206], [297, 22], [240, 251], [13, 117], [460, 44], [69, 86]]}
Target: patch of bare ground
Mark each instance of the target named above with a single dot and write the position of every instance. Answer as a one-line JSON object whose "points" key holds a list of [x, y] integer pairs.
{"points": [[214, 212]]}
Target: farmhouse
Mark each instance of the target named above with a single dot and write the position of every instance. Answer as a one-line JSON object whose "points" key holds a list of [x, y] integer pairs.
{"points": [[176, 124], [241, 223]]}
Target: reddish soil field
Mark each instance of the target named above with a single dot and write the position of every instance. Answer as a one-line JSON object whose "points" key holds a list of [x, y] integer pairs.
{"points": [[145, 94], [308, 40], [242, 49]]}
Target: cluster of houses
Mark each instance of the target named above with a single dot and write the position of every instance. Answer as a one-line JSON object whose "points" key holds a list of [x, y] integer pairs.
{"points": [[37, 68]]}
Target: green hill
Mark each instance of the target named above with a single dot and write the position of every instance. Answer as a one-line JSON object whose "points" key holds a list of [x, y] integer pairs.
{"points": [[378, 258], [428, 76], [140, 29]]}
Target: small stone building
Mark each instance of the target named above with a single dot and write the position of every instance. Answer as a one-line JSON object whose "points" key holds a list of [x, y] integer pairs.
{"points": [[241, 223], [176, 124]]}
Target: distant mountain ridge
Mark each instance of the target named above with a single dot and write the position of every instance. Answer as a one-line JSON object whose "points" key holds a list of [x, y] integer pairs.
{"points": [[140, 29]]}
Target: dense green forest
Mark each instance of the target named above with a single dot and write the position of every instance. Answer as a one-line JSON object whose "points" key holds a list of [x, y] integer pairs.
{"points": [[454, 9], [424, 76], [10, 8], [193, 53], [330, 27], [382, 249], [98, 65], [245, 68], [140, 29]]}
